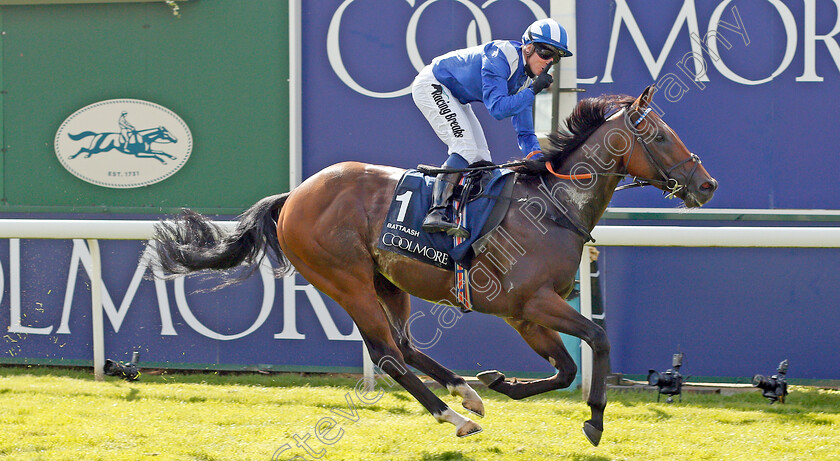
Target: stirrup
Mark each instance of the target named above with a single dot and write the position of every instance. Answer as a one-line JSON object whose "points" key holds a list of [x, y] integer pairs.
{"points": [[458, 231]]}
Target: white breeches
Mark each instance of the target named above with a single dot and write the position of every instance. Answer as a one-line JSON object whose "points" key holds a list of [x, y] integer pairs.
{"points": [[454, 123]]}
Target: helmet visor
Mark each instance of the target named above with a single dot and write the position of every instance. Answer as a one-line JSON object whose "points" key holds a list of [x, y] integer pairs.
{"points": [[547, 52]]}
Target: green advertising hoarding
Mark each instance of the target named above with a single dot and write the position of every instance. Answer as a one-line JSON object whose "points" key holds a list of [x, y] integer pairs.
{"points": [[221, 68]]}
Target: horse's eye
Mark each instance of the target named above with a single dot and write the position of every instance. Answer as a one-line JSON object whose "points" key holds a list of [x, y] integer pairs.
{"points": [[659, 138]]}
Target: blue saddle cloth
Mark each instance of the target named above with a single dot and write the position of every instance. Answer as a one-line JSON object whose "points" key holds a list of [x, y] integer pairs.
{"points": [[401, 232]]}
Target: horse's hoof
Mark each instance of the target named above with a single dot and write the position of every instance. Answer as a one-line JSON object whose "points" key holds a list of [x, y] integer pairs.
{"points": [[475, 407], [469, 428], [592, 433], [491, 377]]}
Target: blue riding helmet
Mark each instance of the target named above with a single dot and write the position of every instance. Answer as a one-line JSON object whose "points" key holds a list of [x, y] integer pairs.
{"points": [[547, 31]]}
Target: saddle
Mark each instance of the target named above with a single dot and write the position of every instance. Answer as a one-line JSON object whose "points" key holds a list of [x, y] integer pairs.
{"points": [[473, 184], [481, 202]]}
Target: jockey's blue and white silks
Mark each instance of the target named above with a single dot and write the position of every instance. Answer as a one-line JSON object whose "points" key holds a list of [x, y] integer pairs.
{"points": [[493, 73]]}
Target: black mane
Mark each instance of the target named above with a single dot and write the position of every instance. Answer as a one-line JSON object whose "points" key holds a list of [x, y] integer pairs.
{"points": [[587, 116]]}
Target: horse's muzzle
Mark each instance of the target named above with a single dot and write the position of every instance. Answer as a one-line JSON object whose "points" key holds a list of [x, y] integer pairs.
{"points": [[699, 193]]}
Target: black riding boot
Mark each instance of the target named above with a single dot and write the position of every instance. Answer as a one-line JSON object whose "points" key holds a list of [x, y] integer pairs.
{"points": [[438, 219]]}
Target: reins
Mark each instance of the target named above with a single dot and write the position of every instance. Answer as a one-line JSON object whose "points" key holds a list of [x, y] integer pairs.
{"points": [[431, 170], [670, 186]]}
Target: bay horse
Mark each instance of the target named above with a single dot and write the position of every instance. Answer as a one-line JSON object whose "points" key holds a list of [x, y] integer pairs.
{"points": [[328, 227], [103, 142]]}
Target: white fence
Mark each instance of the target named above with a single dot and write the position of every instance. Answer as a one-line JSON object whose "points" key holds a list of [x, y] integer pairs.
{"points": [[92, 231], [673, 236], [678, 236]]}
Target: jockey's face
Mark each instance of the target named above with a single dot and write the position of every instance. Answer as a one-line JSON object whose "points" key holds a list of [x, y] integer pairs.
{"points": [[534, 61]]}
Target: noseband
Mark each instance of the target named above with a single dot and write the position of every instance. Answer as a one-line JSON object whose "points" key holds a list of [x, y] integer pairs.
{"points": [[669, 184]]}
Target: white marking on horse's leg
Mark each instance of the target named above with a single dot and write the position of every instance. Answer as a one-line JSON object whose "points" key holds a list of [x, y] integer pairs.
{"points": [[463, 426], [470, 399]]}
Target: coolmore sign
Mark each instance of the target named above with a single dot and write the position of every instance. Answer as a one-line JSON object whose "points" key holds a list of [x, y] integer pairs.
{"points": [[123, 143], [274, 324]]}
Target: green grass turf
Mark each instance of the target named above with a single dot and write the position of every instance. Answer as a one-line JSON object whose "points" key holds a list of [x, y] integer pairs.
{"points": [[61, 414]]}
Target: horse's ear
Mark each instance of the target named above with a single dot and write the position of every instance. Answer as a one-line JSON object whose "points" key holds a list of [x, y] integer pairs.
{"points": [[644, 99]]}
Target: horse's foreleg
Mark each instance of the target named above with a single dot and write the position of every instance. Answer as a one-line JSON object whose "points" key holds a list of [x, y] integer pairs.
{"points": [[548, 309], [399, 306], [548, 344], [158, 152], [154, 156]]}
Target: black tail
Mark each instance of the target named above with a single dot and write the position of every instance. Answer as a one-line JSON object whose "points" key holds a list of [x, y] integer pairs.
{"points": [[192, 243]]}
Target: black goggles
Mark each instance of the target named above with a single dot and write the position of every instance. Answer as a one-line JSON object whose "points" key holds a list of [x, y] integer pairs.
{"points": [[547, 52]]}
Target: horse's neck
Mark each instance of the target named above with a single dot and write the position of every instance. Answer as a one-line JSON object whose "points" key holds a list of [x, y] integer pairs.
{"points": [[149, 133], [587, 201]]}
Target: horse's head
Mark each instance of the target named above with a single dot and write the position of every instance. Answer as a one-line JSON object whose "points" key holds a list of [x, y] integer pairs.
{"points": [[658, 153], [161, 134]]}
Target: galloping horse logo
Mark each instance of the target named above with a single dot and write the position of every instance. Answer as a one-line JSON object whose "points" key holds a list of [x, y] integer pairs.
{"points": [[128, 141], [156, 133]]}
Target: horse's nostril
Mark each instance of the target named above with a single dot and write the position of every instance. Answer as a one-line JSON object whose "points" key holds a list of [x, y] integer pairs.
{"points": [[709, 186]]}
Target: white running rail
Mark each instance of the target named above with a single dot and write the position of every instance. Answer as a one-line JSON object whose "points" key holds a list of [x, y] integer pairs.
{"points": [[673, 236]]}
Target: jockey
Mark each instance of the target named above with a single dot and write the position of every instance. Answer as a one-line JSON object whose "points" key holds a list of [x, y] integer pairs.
{"points": [[505, 75], [127, 130]]}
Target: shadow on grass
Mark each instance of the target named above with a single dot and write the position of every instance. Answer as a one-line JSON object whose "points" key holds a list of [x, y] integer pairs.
{"points": [[798, 416], [658, 414], [458, 456], [445, 456], [390, 409], [579, 457], [401, 395]]}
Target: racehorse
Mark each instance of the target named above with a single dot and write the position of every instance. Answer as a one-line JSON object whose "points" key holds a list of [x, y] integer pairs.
{"points": [[327, 229], [103, 142]]}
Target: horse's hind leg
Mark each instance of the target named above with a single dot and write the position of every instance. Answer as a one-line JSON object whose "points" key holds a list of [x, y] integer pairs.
{"points": [[387, 355], [348, 281], [80, 152], [398, 304], [548, 344]]}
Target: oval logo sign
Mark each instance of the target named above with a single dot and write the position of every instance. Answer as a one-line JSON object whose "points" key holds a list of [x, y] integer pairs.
{"points": [[123, 143]]}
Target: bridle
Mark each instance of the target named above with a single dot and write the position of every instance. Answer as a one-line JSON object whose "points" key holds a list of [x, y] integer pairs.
{"points": [[670, 186]]}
